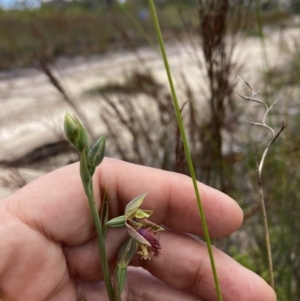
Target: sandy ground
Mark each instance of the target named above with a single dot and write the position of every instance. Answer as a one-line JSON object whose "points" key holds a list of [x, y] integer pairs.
{"points": [[32, 110]]}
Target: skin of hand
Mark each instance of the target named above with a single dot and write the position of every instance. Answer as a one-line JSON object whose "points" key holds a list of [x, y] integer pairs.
{"points": [[48, 249]]}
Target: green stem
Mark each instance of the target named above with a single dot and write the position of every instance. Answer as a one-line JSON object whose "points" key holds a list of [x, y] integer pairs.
{"points": [[101, 245], [186, 147]]}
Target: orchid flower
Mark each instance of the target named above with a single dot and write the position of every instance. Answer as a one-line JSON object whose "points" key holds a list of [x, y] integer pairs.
{"points": [[144, 232]]}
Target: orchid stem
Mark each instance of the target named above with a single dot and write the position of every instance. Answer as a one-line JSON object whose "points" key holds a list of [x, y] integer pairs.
{"points": [[101, 245]]}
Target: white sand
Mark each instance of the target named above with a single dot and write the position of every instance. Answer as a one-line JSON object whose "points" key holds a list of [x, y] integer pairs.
{"points": [[32, 110]]}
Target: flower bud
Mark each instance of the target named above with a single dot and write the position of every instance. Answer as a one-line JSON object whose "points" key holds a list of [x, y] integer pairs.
{"points": [[96, 154], [71, 128], [76, 133]]}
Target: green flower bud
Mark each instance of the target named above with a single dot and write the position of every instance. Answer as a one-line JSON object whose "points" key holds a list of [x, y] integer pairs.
{"points": [[96, 154], [83, 139], [71, 128], [76, 133]]}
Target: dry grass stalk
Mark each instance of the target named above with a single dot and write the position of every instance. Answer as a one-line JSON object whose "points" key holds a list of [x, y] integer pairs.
{"points": [[275, 135]]}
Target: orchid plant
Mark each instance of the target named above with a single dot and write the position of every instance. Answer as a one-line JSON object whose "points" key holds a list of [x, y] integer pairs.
{"points": [[143, 234]]}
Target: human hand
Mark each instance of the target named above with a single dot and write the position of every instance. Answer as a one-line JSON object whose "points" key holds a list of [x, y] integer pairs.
{"points": [[48, 248]]}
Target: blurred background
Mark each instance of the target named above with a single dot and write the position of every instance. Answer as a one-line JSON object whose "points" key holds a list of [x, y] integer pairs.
{"points": [[100, 61]]}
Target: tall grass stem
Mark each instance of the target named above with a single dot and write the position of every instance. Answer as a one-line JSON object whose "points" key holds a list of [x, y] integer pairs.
{"points": [[186, 147]]}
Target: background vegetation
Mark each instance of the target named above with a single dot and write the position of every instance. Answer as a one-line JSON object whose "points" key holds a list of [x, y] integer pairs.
{"points": [[58, 27], [224, 149]]}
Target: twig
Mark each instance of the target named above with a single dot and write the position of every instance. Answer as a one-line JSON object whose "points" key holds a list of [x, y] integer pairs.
{"points": [[260, 167]]}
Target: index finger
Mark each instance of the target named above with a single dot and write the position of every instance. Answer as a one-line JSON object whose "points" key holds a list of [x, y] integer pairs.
{"points": [[171, 196], [55, 204]]}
